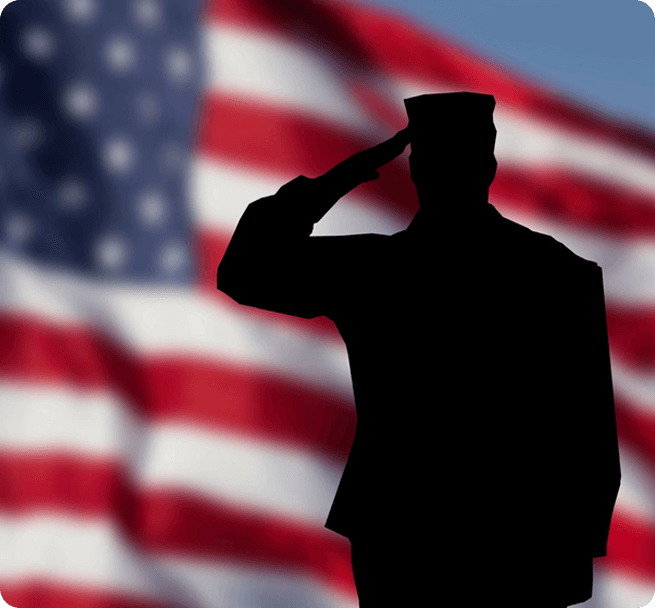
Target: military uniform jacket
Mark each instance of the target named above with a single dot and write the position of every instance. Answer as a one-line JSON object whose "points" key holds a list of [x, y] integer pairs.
{"points": [[480, 368]]}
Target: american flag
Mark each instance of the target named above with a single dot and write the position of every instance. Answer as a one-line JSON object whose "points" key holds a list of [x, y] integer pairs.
{"points": [[161, 445]]}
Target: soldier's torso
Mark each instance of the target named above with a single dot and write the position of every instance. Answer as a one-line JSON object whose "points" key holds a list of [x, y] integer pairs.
{"points": [[447, 349]]}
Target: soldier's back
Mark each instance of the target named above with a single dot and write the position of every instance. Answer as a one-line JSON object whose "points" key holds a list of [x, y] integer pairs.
{"points": [[453, 348]]}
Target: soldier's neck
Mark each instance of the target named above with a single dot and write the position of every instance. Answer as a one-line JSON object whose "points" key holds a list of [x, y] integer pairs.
{"points": [[451, 207]]}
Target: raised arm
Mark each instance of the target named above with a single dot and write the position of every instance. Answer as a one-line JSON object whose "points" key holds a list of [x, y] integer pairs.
{"points": [[358, 168], [271, 262]]}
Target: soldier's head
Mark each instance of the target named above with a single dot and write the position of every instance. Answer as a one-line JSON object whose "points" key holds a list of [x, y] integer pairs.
{"points": [[452, 138]]}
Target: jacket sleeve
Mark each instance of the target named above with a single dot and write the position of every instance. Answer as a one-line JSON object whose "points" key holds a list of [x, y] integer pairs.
{"points": [[273, 263], [601, 476]]}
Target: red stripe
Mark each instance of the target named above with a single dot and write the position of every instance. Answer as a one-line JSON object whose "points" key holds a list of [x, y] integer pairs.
{"points": [[363, 39], [631, 331], [210, 247], [176, 523], [631, 542], [39, 592], [248, 402], [632, 336], [636, 430], [266, 139], [213, 394], [572, 198], [169, 522], [631, 548]]}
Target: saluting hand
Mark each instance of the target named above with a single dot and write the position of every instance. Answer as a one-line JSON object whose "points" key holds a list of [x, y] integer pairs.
{"points": [[366, 162], [324, 191]]}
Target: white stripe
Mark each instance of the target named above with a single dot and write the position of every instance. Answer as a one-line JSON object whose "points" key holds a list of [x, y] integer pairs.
{"points": [[221, 191], [637, 490], [59, 547], [261, 475], [616, 589], [525, 141], [239, 588], [271, 69], [263, 67], [636, 388], [93, 553], [173, 321]]}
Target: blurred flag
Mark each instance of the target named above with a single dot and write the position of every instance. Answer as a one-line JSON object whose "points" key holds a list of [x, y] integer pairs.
{"points": [[161, 445]]}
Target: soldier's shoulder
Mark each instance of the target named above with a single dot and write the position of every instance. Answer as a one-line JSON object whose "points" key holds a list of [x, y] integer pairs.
{"points": [[547, 247]]}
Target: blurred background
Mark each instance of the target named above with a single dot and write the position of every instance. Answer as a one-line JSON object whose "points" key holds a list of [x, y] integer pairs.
{"points": [[161, 445]]}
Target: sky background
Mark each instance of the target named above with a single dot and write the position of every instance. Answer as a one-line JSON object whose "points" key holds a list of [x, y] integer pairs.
{"points": [[598, 52]]}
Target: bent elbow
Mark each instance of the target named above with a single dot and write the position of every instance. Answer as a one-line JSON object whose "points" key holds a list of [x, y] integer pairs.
{"points": [[225, 282]]}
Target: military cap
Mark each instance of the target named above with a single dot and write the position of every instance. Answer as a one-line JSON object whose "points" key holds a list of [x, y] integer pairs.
{"points": [[460, 120]]}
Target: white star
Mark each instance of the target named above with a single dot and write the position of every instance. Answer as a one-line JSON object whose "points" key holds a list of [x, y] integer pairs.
{"points": [[173, 257], [148, 12], [178, 64], [80, 10], [73, 194], [118, 155], [38, 43], [80, 100], [120, 54], [111, 252]]}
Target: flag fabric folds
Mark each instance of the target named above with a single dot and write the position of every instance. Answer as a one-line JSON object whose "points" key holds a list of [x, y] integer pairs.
{"points": [[161, 445]]}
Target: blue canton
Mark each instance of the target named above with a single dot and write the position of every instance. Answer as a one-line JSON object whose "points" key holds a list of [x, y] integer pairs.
{"points": [[97, 103]]}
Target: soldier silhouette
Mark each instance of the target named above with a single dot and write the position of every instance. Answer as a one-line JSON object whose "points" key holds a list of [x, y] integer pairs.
{"points": [[485, 461]]}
